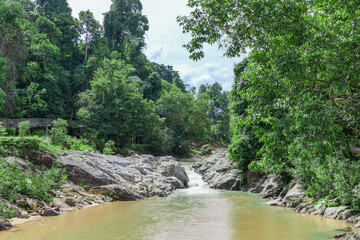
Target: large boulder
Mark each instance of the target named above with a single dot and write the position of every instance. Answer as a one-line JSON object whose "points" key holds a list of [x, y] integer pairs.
{"points": [[334, 212], [271, 188], [218, 171], [123, 178], [293, 197]]}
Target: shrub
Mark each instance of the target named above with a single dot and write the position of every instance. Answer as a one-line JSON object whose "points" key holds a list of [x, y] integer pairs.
{"points": [[11, 131], [58, 132], [26, 146], [2, 130], [109, 148], [33, 183], [24, 128]]}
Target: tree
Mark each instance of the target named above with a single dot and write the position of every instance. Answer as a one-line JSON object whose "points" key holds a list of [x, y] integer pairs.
{"points": [[219, 113], [124, 24], [116, 105], [302, 83], [90, 28]]}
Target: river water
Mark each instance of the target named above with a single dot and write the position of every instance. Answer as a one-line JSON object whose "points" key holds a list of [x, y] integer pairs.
{"points": [[195, 213]]}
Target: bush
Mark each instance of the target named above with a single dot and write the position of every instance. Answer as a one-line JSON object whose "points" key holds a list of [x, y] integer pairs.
{"points": [[11, 131], [33, 183], [24, 128], [26, 146], [109, 148], [58, 133], [2, 130]]}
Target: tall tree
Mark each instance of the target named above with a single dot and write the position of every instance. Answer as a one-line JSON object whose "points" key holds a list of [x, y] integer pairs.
{"points": [[90, 28], [125, 26]]}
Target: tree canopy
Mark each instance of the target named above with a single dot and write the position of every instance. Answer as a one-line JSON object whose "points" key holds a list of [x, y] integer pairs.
{"points": [[298, 90]]}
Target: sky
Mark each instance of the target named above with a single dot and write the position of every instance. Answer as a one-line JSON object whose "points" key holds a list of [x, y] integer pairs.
{"points": [[165, 39]]}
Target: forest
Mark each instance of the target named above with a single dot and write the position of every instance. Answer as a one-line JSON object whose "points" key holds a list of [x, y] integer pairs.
{"points": [[55, 66]]}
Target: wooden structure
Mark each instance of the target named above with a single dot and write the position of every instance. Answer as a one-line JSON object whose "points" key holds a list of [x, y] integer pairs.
{"points": [[34, 122]]}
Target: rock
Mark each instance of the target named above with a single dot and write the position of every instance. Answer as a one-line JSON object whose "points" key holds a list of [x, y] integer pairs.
{"points": [[24, 214], [115, 191], [354, 233], [346, 214], [34, 214], [31, 203], [169, 167], [256, 186], [41, 158], [70, 201], [49, 212], [333, 212], [253, 176], [271, 188], [293, 197], [218, 171], [354, 219], [139, 176], [5, 224], [319, 209], [274, 202]]}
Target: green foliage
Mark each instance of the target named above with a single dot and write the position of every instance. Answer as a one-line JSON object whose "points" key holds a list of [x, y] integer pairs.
{"points": [[58, 132], [3, 131], [6, 211], [26, 146], [33, 183], [298, 91], [109, 148], [124, 113], [125, 26], [24, 128], [10, 131], [199, 152]]}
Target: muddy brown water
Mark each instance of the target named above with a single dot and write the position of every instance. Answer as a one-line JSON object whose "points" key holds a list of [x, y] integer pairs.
{"points": [[195, 213]]}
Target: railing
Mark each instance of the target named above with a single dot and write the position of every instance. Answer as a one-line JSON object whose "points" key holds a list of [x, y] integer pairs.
{"points": [[34, 122]]}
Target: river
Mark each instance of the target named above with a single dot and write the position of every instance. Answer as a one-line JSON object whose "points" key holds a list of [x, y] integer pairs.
{"points": [[189, 214]]}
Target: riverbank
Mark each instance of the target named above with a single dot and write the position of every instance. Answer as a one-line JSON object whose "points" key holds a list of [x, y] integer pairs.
{"points": [[94, 179], [221, 173]]}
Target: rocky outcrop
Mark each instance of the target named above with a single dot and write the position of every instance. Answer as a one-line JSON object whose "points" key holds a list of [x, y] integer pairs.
{"points": [[218, 171], [124, 178], [95, 178]]}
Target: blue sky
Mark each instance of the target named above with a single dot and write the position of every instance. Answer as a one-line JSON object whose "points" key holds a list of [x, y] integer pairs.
{"points": [[165, 39]]}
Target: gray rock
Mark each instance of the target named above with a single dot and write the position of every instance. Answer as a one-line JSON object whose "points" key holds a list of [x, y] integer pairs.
{"points": [[293, 197], [136, 177], [5, 224], [218, 171], [49, 212], [333, 212], [354, 219], [274, 202], [271, 188], [346, 214], [319, 209]]}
